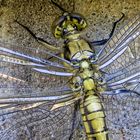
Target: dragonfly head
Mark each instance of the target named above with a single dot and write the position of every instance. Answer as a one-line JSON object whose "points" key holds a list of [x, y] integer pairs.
{"points": [[68, 24]]}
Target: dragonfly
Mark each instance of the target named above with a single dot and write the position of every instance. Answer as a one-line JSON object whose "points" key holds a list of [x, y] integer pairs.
{"points": [[44, 90]]}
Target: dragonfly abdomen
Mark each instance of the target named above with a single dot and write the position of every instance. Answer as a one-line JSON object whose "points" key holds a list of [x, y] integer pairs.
{"points": [[87, 78], [93, 117]]}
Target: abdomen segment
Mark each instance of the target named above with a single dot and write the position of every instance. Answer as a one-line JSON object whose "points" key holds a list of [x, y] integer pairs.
{"points": [[93, 117]]}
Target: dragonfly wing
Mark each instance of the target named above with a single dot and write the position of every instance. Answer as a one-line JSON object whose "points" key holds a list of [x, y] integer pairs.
{"points": [[33, 120], [121, 67], [24, 80], [7, 49], [39, 122], [120, 58], [122, 115], [120, 46]]}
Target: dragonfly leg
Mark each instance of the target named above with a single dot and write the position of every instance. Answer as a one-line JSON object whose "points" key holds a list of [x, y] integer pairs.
{"points": [[62, 9], [40, 40], [103, 41], [53, 2]]}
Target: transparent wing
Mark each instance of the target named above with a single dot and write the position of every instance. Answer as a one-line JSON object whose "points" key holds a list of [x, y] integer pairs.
{"points": [[39, 123], [121, 43], [120, 62], [21, 115], [18, 74]]}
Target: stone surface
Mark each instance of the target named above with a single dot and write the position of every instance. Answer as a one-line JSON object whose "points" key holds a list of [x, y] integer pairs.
{"points": [[39, 15]]}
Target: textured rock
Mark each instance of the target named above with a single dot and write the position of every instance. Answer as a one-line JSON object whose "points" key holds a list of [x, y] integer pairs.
{"points": [[39, 15]]}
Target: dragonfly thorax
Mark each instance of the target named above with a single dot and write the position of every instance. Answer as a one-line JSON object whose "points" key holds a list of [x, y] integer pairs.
{"points": [[77, 50], [87, 78]]}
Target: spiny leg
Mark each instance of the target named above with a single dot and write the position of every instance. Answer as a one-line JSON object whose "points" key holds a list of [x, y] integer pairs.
{"points": [[40, 40], [57, 5], [44, 43], [104, 41]]}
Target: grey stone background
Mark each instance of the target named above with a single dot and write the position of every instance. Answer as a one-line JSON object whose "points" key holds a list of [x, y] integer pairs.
{"points": [[39, 15]]}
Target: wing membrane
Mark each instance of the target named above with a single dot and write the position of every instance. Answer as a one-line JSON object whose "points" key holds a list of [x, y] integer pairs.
{"points": [[121, 44], [122, 115], [19, 84], [18, 75], [120, 62], [29, 55], [38, 122]]}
